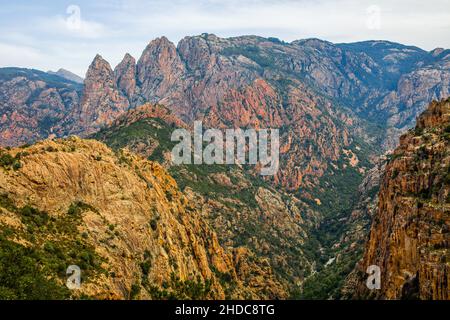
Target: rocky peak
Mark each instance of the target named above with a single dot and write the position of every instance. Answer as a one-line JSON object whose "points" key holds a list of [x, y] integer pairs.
{"points": [[437, 115], [102, 101], [314, 43], [99, 66], [158, 69], [148, 111], [158, 49], [125, 76], [195, 52]]}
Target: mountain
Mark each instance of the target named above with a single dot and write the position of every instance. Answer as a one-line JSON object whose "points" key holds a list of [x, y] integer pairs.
{"points": [[339, 108], [333, 94], [206, 78], [122, 219], [33, 104], [66, 74], [409, 233], [253, 81]]}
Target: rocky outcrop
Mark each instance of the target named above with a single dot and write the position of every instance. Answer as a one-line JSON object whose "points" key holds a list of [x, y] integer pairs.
{"points": [[414, 91], [409, 236], [147, 111], [159, 72]]}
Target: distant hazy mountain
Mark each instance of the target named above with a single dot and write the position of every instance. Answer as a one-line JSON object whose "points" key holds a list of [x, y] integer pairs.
{"points": [[66, 74]]}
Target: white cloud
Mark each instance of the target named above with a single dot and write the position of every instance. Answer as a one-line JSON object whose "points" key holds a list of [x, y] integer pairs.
{"points": [[71, 38], [19, 56], [337, 21], [60, 25]]}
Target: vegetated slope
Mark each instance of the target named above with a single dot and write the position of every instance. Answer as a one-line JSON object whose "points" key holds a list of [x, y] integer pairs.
{"points": [[121, 219], [409, 238], [342, 238]]}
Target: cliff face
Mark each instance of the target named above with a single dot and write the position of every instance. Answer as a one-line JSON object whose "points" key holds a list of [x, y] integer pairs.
{"points": [[125, 76], [414, 91], [409, 238], [122, 219]]}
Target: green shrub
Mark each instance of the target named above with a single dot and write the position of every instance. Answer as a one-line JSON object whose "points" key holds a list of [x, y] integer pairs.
{"points": [[16, 165], [6, 159], [154, 224], [145, 267], [78, 207], [134, 291], [418, 131]]}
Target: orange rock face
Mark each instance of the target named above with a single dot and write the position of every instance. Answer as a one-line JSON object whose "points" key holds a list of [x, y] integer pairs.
{"points": [[307, 88], [409, 239]]}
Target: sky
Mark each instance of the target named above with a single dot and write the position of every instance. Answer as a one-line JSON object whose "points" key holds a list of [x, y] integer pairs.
{"points": [[48, 35]]}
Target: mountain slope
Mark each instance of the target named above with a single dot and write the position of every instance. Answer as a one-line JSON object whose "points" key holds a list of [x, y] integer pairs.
{"points": [[249, 81], [320, 94], [120, 218], [248, 214]]}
